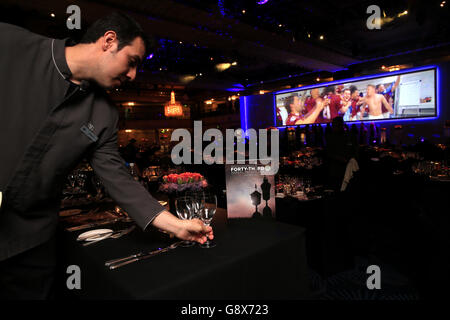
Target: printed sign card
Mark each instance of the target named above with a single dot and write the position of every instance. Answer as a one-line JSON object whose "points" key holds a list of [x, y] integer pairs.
{"points": [[250, 191]]}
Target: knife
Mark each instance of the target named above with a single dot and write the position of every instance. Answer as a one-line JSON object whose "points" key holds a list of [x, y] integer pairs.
{"points": [[117, 263], [100, 223]]}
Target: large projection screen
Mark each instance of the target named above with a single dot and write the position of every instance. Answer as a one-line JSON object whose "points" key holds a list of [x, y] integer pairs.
{"points": [[403, 95]]}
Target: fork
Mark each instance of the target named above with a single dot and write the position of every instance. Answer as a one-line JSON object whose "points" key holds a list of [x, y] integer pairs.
{"points": [[117, 263], [112, 235]]}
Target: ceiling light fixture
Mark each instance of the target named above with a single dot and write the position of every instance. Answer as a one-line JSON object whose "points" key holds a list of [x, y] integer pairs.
{"points": [[223, 66]]}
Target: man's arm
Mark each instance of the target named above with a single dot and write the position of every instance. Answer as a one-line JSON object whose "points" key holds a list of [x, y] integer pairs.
{"points": [[311, 116], [136, 200], [387, 105], [345, 107], [397, 82]]}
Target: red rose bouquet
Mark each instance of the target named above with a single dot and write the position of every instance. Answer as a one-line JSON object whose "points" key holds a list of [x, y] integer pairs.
{"points": [[187, 181]]}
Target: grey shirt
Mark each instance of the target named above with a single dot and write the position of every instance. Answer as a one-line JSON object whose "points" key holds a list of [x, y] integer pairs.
{"points": [[41, 140]]}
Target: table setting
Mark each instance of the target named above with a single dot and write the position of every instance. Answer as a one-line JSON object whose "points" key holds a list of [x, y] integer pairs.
{"points": [[300, 188], [153, 265], [105, 242]]}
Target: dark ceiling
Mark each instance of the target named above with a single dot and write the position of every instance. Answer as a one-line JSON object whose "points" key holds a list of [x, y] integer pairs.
{"points": [[277, 39]]}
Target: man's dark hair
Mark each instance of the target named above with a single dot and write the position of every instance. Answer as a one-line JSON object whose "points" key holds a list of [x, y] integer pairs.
{"points": [[288, 101], [125, 27], [353, 89], [328, 90], [378, 86]]}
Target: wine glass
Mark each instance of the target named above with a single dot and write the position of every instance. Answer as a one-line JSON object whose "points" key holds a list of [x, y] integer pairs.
{"points": [[81, 180], [206, 214], [98, 186], [183, 207], [72, 179], [198, 202]]}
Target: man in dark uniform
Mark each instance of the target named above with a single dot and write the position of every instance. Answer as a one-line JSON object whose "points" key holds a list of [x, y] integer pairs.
{"points": [[54, 112]]}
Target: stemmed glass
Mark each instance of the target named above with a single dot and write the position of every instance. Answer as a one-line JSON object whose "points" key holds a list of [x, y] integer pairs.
{"points": [[98, 186], [72, 179], [206, 214], [81, 180], [198, 202], [184, 210]]}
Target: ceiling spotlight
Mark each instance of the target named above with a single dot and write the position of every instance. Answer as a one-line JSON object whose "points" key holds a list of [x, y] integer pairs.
{"points": [[223, 66], [383, 67], [52, 15], [280, 25], [309, 35], [243, 11], [234, 63], [317, 79], [321, 37]]}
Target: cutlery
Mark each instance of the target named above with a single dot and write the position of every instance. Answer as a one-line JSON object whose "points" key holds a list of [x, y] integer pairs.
{"points": [[100, 223], [112, 235], [117, 263]]}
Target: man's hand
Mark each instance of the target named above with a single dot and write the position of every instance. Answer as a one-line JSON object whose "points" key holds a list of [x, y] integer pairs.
{"points": [[192, 230], [320, 104]]}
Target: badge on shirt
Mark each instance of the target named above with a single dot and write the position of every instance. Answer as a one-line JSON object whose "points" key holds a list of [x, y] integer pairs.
{"points": [[88, 130]]}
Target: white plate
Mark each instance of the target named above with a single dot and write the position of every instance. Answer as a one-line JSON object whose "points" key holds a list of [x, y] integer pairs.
{"points": [[92, 235]]}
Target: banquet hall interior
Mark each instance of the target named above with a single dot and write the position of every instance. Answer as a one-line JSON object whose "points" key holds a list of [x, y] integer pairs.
{"points": [[356, 190]]}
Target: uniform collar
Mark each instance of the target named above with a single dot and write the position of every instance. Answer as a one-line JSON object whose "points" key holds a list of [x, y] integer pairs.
{"points": [[59, 54]]}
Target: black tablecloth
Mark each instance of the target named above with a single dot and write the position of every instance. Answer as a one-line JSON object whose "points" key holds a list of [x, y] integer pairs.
{"points": [[253, 259], [327, 244]]}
